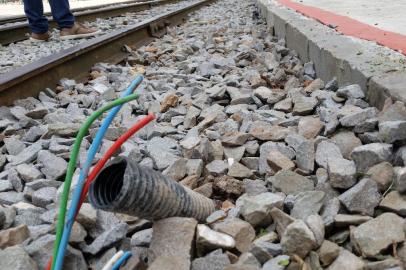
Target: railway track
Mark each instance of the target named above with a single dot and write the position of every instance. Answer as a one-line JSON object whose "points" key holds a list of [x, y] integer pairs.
{"points": [[18, 31], [23, 18], [75, 62]]}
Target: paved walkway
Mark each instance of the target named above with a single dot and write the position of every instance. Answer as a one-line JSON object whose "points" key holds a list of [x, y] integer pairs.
{"points": [[383, 21], [8, 10]]}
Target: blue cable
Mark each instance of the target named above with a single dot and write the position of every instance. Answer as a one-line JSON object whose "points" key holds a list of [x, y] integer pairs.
{"points": [[84, 172], [121, 261]]}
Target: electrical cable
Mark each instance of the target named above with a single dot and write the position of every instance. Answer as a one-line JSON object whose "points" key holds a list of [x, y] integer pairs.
{"points": [[100, 164], [122, 260], [58, 261], [113, 260], [72, 165], [110, 152]]}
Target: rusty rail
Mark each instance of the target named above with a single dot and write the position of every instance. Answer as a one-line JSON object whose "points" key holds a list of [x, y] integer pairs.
{"points": [[75, 62]]}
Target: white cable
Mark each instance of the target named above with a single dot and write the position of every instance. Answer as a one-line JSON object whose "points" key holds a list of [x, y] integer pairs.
{"points": [[113, 260]]}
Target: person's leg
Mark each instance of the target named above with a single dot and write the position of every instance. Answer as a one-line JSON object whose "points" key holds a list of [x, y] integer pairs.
{"points": [[34, 11], [61, 13]]}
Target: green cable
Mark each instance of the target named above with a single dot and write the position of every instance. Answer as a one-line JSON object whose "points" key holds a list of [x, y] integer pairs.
{"points": [[72, 166]]}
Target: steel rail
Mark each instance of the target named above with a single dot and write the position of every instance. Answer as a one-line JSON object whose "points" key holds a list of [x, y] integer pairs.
{"points": [[17, 32], [22, 18], [76, 62]]}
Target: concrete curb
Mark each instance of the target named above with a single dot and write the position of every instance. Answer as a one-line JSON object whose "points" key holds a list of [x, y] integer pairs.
{"points": [[381, 72]]}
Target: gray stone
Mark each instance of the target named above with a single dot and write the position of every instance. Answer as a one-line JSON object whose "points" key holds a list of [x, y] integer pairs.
{"points": [[304, 105], [40, 249], [361, 198], [368, 125], [215, 260], [16, 258], [278, 263], [347, 260], [284, 105], [341, 172], [194, 167], [161, 157], [316, 225], [28, 172], [34, 133], [173, 237], [190, 142], [208, 239], [357, 118], [107, 239], [238, 170], [267, 132], [390, 264], [346, 141], [400, 156], [309, 127], [307, 203], [43, 196], [142, 238], [330, 210], [266, 148], [256, 209], [5, 185], [345, 220], [305, 156], [235, 139], [13, 145], [10, 197], [350, 91], [290, 182], [235, 153], [15, 180], [254, 187], [367, 155], [54, 167], [264, 251], [328, 252], [298, 239], [392, 131], [309, 69], [78, 233], [394, 112], [247, 259], [176, 170], [7, 215], [217, 167], [375, 235], [242, 232], [26, 156], [277, 161], [382, 173], [314, 86], [13, 236], [394, 202], [281, 219], [326, 150], [400, 177]]}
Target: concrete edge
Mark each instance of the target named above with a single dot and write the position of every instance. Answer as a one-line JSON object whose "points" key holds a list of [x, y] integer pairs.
{"points": [[381, 72]]}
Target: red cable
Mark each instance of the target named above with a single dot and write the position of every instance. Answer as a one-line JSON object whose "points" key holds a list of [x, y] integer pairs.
{"points": [[95, 171]]}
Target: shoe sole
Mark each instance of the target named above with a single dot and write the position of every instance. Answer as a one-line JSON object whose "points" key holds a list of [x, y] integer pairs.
{"points": [[80, 36], [38, 40]]}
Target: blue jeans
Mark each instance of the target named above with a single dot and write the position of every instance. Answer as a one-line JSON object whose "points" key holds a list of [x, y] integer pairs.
{"points": [[60, 12]]}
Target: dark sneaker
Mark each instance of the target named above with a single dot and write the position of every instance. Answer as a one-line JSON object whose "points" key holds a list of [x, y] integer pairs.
{"points": [[78, 31], [40, 37]]}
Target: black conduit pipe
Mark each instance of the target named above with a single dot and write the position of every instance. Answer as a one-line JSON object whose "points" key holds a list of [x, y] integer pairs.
{"points": [[125, 187]]}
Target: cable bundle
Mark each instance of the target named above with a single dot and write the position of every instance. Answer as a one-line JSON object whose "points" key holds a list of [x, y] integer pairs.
{"points": [[63, 229]]}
